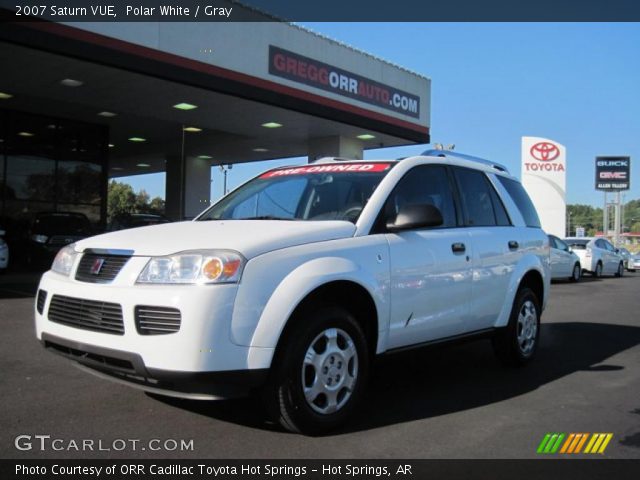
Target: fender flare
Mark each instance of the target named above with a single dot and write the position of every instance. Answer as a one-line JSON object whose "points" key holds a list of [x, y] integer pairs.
{"points": [[527, 264], [302, 281]]}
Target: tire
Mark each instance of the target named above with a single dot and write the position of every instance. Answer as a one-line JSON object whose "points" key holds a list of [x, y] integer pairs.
{"points": [[517, 343], [620, 271], [598, 271], [325, 347], [576, 273]]}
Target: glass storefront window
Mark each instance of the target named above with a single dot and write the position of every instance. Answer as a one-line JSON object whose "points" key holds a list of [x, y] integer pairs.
{"points": [[50, 165], [30, 178], [78, 182]]}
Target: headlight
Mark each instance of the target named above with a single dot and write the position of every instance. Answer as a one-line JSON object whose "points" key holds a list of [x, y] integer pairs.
{"points": [[64, 260], [202, 266], [39, 238]]}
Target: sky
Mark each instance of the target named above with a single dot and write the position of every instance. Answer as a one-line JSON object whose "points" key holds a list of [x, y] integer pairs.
{"points": [[493, 83]]}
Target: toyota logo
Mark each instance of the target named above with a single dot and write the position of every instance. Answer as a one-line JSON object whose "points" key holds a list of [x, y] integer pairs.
{"points": [[545, 151]]}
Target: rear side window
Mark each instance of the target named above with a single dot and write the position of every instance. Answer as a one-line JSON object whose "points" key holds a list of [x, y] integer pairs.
{"points": [[480, 201], [522, 201]]}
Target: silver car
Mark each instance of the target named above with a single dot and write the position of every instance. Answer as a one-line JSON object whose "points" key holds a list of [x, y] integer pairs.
{"points": [[564, 262], [626, 258]]}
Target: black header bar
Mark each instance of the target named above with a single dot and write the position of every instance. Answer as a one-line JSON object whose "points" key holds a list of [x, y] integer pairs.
{"points": [[323, 11]]}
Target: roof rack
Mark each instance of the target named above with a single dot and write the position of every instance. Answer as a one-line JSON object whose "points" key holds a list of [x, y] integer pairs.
{"points": [[450, 153]]}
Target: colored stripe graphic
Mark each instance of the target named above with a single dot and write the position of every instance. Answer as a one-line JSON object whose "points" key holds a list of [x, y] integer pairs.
{"points": [[568, 442], [543, 443], [551, 443], [572, 443], [598, 442], [581, 443]]}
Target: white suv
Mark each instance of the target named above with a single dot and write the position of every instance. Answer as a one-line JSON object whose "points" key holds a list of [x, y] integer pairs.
{"points": [[597, 256], [293, 283]]}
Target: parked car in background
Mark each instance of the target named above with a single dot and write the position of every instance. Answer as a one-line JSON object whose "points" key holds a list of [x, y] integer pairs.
{"points": [[597, 256], [50, 231], [4, 252], [134, 220], [634, 262], [626, 258], [564, 262]]}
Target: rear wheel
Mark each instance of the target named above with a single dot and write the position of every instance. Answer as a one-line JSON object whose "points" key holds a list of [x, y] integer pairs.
{"points": [[517, 343], [320, 376], [598, 272], [576, 273]]}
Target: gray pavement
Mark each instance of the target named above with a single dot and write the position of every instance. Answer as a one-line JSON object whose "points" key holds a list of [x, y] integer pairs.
{"points": [[446, 403]]}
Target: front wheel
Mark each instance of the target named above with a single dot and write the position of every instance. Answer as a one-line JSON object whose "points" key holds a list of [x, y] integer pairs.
{"points": [[576, 273], [620, 271], [516, 344], [321, 372]]}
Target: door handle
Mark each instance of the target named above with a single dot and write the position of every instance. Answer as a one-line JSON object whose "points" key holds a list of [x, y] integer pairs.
{"points": [[513, 245], [458, 247]]}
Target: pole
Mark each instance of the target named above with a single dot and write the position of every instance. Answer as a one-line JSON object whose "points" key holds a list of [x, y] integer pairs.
{"points": [[225, 181], [617, 221], [605, 219]]}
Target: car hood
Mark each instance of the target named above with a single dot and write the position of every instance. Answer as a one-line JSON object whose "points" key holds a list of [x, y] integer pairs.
{"points": [[249, 237]]}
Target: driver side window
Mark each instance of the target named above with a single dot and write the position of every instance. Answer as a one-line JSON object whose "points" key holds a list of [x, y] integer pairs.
{"points": [[425, 184]]}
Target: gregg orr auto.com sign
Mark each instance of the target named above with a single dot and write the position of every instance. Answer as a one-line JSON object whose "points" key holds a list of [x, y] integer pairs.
{"points": [[612, 173], [308, 71]]}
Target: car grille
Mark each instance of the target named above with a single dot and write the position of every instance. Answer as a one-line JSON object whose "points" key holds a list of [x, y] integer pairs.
{"points": [[87, 314], [40, 301], [157, 320], [111, 266]]}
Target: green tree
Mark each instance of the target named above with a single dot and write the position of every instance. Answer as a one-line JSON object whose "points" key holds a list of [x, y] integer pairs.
{"points": [[122, 200]]}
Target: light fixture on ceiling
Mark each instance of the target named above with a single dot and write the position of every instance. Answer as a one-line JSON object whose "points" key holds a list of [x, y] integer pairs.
{"points": [[5, 96], [143, 165], [107, 114], [137, 139], [192, 129], [260, 149], [111, 145], [366, 136], [272, 125], [185, 106], [25, 134], [117, 168], [70, 82], [205, 157]]}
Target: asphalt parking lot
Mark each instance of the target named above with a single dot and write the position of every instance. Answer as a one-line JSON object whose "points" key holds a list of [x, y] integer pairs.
{"points": [[448, 403]]}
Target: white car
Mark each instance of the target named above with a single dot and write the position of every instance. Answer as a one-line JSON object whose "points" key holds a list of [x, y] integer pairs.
{"points": [[295, 281], [4, 252], [634, 262], [564, 262], [597, 256], [626, 258]]}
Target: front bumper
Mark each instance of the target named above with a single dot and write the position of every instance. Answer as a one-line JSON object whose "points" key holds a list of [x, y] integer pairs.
{"points": [[129, 368], [184, 361]]}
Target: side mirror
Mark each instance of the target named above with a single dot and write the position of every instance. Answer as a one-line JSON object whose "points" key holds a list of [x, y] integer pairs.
{"points": [[416, 216], [617, 250]]}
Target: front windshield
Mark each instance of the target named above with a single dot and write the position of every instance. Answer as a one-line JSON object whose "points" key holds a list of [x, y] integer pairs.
{"points": [[310, 192]]}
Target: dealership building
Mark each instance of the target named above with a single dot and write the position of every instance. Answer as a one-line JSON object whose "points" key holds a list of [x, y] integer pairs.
{"points": [[82, 103]]}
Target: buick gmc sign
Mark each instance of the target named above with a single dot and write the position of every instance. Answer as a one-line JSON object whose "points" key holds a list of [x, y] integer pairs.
{"points": [[613, 173], [308, 71]]}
